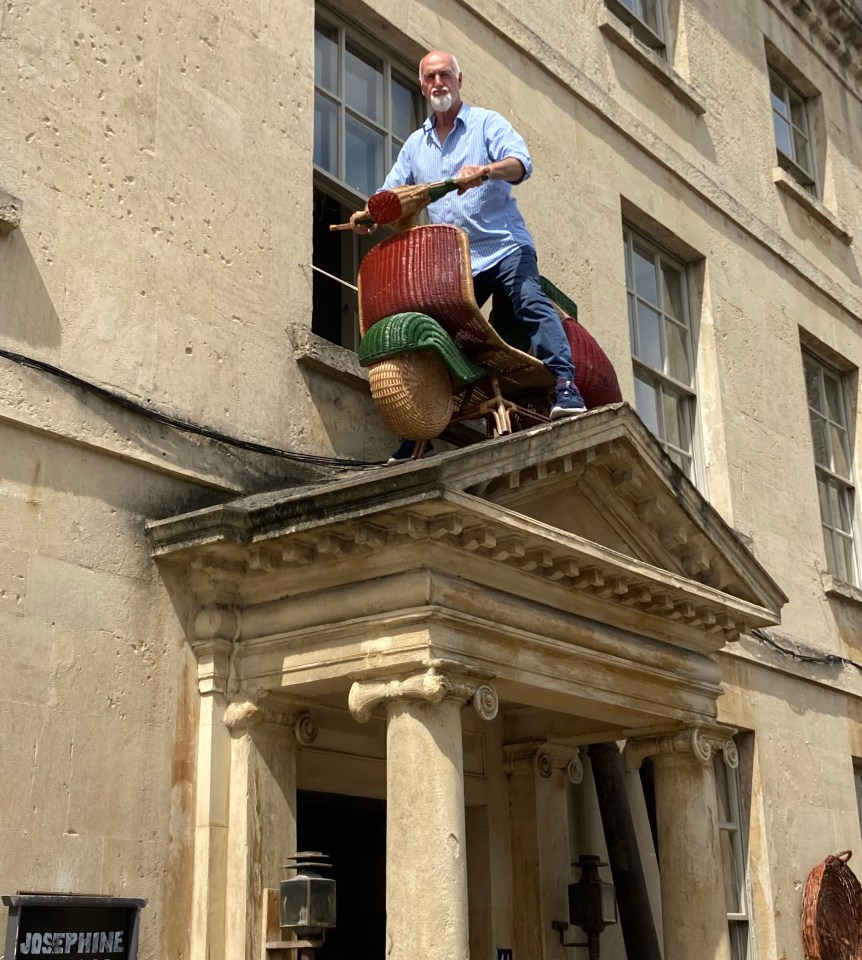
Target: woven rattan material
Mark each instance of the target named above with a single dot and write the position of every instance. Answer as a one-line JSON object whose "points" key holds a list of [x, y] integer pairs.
{"points": [[385, 206], [594, 372], [405, 332], [832, 911], [427, 270], [420, 270], [413, 393]]}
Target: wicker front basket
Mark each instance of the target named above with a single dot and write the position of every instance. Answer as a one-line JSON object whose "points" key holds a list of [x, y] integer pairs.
{"points": [[832, 911], [413, 393]]}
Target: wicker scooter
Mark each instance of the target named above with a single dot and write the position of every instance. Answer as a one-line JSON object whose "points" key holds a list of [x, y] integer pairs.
{"points": [[433, 358]]}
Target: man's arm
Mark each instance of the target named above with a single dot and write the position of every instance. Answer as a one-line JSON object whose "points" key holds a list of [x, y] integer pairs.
{"points": [[510, 169]]}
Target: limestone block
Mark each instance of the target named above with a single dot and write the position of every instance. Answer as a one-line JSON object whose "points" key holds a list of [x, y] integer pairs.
{"points": [[34, 800], [131, 806], [25, 652], [14, 565], [129, 676], [75, 862]]}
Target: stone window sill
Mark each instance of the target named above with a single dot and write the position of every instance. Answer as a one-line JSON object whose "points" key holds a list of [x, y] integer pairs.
{"points": [[10, 212], [621, 34], [315, 353], [788, 185], [840, 590]]}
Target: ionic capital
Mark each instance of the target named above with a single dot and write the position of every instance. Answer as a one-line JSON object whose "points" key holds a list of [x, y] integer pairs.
{"points": [[432, 685], [242, 716], [701, 743], [545, 758]]}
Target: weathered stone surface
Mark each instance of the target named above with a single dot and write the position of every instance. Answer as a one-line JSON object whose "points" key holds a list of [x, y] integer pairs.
{"points": [[161, 248]]}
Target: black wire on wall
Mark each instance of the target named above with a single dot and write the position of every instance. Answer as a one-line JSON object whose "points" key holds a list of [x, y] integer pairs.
{"points": [[183, 425]]}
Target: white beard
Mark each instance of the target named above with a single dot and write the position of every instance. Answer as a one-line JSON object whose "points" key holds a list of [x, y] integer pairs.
{"points": [[440, 104]]}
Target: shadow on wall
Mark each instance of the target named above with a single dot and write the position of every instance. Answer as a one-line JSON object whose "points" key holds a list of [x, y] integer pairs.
{"points": [[27, 314]]}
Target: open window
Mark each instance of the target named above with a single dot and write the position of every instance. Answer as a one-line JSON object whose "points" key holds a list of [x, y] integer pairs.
{"points": [[366, 104]]}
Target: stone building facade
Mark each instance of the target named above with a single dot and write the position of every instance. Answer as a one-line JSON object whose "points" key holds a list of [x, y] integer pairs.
{"points": [[218, 645]]}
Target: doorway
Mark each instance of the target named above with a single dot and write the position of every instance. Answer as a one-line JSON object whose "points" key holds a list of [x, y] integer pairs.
{"points": [[351, 831]]}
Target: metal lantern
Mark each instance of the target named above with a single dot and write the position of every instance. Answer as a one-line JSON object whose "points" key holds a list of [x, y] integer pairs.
{"points": [[307, 900], [592, 903], [592, 906]]}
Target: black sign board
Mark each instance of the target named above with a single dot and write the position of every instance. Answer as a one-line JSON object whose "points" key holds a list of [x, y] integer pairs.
{"points": [[89, 928]]}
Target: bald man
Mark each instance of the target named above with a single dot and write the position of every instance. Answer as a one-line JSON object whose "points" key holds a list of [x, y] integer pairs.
{"points": [[459, 140]]}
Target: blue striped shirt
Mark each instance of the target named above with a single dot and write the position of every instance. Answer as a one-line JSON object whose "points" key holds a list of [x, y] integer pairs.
{"points": [[488, 213]]}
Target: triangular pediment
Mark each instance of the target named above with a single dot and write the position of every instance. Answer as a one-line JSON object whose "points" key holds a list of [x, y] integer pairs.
{"points": [[572, 561], [595, 499]]}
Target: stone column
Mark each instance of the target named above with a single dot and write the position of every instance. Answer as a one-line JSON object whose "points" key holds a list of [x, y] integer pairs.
{"points": [[539, 779], [211, 804], [262, 822], [693, 901], [426, 863]]}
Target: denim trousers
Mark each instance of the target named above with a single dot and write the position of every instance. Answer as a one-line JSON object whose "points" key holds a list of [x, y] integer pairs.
{"points": [[517, 275]]}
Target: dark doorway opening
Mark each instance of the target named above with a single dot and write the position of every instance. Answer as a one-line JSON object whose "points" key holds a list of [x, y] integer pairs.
{"points": [[352, 832]]}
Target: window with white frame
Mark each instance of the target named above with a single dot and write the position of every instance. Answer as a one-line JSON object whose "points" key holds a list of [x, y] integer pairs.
{"points": [[732, 836], [833, 462], [644, 17], [792, 130], [366, 104], [662, 352]]}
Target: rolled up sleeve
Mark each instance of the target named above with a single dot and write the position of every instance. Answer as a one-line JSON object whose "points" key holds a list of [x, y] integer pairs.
{"points": [[502, 141]]}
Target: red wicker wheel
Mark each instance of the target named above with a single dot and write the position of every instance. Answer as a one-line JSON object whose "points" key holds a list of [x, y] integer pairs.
{"points": [[832, 911], [413, 393]]}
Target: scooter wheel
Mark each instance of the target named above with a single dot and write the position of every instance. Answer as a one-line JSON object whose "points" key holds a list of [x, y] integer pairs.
{"points": [[413, 393]]}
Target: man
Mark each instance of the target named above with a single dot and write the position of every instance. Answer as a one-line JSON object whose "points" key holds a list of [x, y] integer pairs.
{"points": [[458, 141]]}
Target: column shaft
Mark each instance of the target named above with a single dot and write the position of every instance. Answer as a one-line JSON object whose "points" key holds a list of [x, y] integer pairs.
{"points": [[692, 885], [211, 818], [539, 785], [262, 829], [426, 863]]}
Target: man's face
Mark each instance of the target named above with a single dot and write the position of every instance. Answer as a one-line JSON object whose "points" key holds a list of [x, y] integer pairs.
{"points": [[439, 82]]}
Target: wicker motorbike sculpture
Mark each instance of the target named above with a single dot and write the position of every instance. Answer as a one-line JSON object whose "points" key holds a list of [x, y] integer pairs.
{"points": [[433, 358]]}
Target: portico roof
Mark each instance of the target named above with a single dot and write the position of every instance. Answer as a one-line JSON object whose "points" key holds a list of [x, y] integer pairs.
{"points": [[573, 562]]}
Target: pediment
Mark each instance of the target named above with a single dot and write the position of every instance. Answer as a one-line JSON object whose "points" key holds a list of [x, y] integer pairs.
{"points": [[573, 562], [591, 505]]}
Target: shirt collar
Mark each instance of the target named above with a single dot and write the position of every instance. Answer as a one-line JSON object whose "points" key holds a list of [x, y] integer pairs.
{"points": [[431, 121]]}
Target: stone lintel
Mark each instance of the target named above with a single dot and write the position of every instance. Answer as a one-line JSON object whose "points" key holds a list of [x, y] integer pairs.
{"points": [[554, 663], [699, 742]]}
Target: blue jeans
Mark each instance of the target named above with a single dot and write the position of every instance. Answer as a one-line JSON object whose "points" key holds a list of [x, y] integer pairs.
{"points": [[517, 275]]}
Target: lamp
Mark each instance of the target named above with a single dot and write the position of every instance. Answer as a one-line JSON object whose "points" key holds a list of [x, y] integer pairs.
{"points": [[592, 905], [306, 902]]}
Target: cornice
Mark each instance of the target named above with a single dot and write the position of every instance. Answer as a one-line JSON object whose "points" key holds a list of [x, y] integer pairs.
{"points": [[836, 25]]}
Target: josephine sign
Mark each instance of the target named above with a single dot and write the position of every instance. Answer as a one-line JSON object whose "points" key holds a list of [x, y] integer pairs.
{"points": [[89, 928]]}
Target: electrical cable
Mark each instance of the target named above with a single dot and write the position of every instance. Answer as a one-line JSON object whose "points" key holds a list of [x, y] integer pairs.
{"points": [[829, 659], [183, 425]]}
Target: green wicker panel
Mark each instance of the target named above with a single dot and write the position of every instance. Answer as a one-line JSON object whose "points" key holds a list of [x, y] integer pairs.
{"points": [[566, 304], [404, 332]]}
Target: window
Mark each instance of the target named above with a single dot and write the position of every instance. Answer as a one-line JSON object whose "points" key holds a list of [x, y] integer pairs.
{"points": [[792, 130], [645, 19], [365, 107], [732, 838], [660, 329], [827, 410]]}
